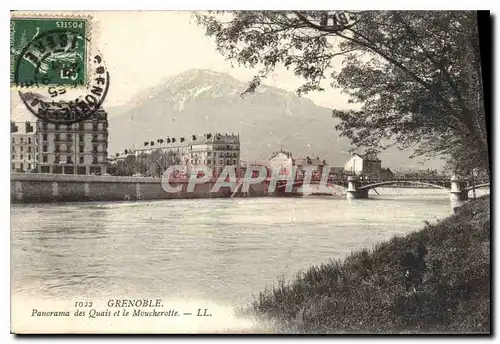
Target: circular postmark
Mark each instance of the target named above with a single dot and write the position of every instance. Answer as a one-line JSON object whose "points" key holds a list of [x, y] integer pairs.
{"points": [[53, 68]]}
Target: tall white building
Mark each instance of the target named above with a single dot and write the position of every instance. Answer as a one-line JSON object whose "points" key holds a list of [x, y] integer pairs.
{"points": [[78, 148], [360, 165], [282, 162], [213, 150], [24, 145]]}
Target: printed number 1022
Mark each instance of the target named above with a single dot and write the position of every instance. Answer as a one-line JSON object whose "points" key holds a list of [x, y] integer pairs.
{"points": [[83, 304]]}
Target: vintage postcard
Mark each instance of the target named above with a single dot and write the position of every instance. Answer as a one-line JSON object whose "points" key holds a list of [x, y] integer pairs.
{"points": [[255, 172]]}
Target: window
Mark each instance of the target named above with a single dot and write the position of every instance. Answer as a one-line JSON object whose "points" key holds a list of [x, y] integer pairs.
{"points": [[80, 137], [209, 153], [29, 140], [29, 156], [95, 126], [13, 140], [13, 166], [81, 159], [13, 149], [68, 137], [94, 138], [81, 127], [29, 149], [81, 148], [44, 148], [29, 167], [56, 149], [21, 167], [57, 138], [21, 140], [36, 158], [22, 157], [221, 161], [13, 156], [44, 137], [234, 161], [57, 159], [45, 126], [57, 126], [94, 160], [22, 148], [209, 161]]}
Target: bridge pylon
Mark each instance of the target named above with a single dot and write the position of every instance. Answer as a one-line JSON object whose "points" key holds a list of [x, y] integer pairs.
{"points": [[353, 191], [458, 190]]}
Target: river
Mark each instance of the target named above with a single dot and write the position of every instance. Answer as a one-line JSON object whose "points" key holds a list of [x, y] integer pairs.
{"points": [[221, 250]]}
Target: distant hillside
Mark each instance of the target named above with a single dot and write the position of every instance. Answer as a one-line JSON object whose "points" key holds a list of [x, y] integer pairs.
{"points": [[199, 101]]}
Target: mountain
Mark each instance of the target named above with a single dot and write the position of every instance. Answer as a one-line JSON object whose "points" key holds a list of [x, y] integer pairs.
{"points": [[200, 101]]}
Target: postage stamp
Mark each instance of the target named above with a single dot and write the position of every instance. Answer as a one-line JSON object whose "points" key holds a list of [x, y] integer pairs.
{"points": [[60, 77], [62, 103], [60, 59]]}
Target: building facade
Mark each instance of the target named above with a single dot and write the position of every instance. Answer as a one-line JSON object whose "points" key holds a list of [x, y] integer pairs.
{"points": [[360, 165], [24, 147], [78, 148], [281, 161], [212, 150]]}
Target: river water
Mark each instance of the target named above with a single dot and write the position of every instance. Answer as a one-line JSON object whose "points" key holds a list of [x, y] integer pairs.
{"points": [[221, 250]]}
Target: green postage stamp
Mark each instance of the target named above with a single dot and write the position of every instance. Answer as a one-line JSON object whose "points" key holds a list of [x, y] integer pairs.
{"points": [[48, 51]]}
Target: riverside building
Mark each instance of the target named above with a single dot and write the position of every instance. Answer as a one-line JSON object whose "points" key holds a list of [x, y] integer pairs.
{"points": [[213, 150], [362, 165], [78, 148], [24, 146]]}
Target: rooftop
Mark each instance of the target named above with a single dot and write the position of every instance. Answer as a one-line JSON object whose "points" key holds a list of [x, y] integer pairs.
{"points": [[177, 142], [366, 157], [22, 128]]}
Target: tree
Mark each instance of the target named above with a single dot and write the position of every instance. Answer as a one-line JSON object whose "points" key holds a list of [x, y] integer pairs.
{"points": [[415, 75], [155, 162]]}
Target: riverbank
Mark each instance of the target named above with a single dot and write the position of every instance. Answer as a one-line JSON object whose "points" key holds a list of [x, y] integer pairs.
{"points": [[365, 293], [49, 188]]}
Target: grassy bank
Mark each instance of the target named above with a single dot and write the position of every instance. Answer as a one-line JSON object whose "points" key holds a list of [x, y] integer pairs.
{"points": [[365, 292]]}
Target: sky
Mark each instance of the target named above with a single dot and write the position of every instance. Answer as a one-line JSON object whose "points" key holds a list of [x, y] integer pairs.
{"points": [[142, 48]]}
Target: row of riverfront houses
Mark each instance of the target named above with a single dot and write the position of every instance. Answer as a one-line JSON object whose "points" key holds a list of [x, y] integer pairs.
{"points": [[81, 148], [356, 165], [78, 148]]}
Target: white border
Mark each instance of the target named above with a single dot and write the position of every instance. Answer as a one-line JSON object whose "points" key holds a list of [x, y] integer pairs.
{"points": [[191, 5]]}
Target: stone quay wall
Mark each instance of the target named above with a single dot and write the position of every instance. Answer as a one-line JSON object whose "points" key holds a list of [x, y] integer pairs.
{"points": [[45, 188]]}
